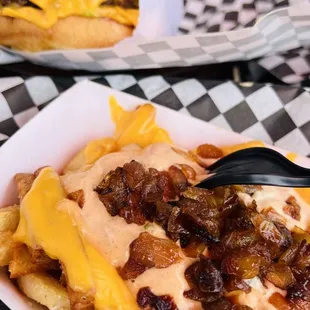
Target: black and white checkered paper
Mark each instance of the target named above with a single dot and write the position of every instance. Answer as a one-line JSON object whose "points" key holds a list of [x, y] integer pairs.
{"points": [[278, 31], [291, 67], [207, 16], [278, 115], [204, 16]]}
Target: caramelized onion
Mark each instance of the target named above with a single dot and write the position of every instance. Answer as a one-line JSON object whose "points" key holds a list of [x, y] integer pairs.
{"points": [[149, 301], [131, 192], [292, 208], [222, 303], [194, 247], [280, 275], [162, 214], [302, 260], [204, 276], [242, 264], [200, 219], [279, 302], [188, 171], [147, 252], [236, 284], [197, 295], [178, 179], [271, 231], [209, 151]]}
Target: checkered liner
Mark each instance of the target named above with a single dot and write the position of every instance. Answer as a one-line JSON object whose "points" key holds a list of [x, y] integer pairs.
{"points": [[278, 31], [278, 115], [291, 67], [201, 16]]}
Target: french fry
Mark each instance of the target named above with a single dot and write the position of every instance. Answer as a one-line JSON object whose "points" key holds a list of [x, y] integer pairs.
{"points": [[23, 182], [37, 172], [25, 262], [80, 300], [40, 258], [45, 290], [63, 280], [21, 264], [9, 218], [6, 247]]}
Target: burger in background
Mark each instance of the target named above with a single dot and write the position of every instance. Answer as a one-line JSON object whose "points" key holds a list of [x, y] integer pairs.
{"points": [[39, 25]]}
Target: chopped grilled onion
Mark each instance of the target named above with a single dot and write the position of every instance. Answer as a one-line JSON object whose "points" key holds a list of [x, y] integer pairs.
{"points": [[149, 301], [147, 252]]}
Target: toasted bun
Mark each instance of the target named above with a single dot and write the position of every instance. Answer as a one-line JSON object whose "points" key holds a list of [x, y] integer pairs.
{"points": [[68, 33]]}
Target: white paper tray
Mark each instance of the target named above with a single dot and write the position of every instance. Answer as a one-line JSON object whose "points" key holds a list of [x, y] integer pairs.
{"points": [[67, 124], [157, 45]]}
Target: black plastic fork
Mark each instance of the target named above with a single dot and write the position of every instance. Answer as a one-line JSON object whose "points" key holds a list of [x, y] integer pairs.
{"points": [[256, 166]]}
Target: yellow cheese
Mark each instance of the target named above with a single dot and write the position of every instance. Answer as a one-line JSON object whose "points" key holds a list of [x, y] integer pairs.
{"points": [[304, 193], [97, 148], [291, 156], [111, 290], [52, 10], [138, 127], [93, 151], [51, 228]]}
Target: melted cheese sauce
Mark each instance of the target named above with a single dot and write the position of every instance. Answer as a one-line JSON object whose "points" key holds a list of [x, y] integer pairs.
{"points": [[112, 235], [259, 295], [275, 198], [138, 126], [131, 127], [52, 10], [170, 280]]}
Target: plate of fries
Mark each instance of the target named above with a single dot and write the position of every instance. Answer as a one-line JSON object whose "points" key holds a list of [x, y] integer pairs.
{"points": [[31, 279]]}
